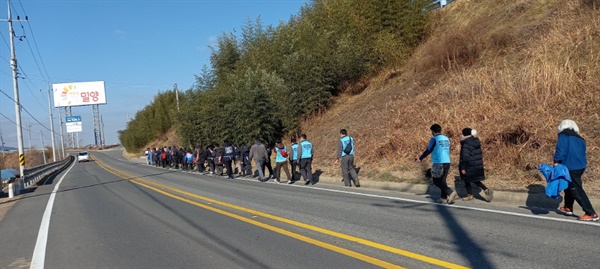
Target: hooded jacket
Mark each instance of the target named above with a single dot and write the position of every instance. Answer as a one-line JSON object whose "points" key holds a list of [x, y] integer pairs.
{"points": [[571, 150], [258, 152], [471, 159]]}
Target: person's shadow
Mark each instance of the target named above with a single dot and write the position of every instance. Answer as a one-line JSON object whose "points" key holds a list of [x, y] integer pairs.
{"points": [[537, 201]]}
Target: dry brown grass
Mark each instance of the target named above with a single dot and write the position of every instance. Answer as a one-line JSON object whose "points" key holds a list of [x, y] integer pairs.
{"points": [[33, 158], [168, 139], [510, 69]]}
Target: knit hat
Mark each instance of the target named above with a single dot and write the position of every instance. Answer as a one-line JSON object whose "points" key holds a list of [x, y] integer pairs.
{"points": [[466, 132]]}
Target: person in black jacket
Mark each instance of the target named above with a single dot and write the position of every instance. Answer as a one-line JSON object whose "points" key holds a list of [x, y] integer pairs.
{"points": [[245, 161], [267, 163], [210, 158], [471, 164], [200, 159], [227, 158]]}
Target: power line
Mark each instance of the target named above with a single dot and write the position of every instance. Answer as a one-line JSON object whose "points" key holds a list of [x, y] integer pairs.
{"points": [[24, 109], [36, 46]]}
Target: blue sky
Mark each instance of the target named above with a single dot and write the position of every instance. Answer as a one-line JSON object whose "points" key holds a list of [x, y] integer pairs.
{"points": [[138, 47]]}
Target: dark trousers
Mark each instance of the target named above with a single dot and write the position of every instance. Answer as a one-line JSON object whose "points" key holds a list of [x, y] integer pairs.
{"points": [[470, 188], [211, 165], [348, 171], [282, 165], [294, 166], [227, 162], [441, 182], [200, 166], [306, 169], [164, 163], [576, 193], [267, 164]]}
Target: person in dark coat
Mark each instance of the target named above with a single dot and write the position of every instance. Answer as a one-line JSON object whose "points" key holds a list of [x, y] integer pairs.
{"points": [[245, 161], [200, 159], [227, 158], [471, 164]]}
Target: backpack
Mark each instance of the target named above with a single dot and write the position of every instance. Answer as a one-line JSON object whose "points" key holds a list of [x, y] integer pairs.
{"points": [[163, 155], [348, 148]]}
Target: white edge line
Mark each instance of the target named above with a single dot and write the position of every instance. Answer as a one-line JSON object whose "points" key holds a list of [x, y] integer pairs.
{"points": [[593, 223], [464, 207], [39, 252]]}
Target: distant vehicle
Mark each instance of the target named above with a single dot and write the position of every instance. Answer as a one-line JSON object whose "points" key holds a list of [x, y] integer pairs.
{"points": [[83, 156]]}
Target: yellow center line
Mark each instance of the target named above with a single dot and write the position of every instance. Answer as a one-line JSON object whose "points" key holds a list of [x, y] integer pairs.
{"points": [[146, 183]]}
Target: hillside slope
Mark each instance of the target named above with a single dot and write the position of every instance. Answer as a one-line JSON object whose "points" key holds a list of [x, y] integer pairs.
{"points": [[510, 69]]}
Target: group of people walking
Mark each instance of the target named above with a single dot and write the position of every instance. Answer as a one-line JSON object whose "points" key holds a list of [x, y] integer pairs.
{"points": [[232, 160], [570, 151]]}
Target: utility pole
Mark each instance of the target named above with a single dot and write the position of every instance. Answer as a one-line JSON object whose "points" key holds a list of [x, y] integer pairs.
{"points": [[77, 140], [62, 137], [14, 66], [2, 140], [29, 126], [51, 125], [176, 96], [43, 147]]}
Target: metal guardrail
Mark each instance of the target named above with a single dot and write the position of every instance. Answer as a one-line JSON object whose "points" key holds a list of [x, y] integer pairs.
{"points": [[35, 174]]}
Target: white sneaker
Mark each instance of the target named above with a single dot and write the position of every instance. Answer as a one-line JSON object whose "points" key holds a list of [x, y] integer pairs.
{"points": [[451, 197]]}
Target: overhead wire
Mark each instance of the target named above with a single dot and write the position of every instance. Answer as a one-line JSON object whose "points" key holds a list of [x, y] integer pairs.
{"points": [[47, 78], [26, 111], [20, 69]]}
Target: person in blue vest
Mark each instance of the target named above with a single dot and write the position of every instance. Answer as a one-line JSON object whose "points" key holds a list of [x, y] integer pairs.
{"points": [[345, 153], [281, 155], [571, 152], [439, 148], [305, 156], [293, 157]]}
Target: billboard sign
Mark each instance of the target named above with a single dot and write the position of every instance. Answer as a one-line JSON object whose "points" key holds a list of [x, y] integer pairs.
{"points": [[79, 94], [74, 124]]}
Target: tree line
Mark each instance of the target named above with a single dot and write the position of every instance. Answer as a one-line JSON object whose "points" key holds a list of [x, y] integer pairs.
{"points": [[265, 80]]}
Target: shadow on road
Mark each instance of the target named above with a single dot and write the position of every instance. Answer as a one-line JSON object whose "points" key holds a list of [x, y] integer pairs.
{"points": [[467, 247]]}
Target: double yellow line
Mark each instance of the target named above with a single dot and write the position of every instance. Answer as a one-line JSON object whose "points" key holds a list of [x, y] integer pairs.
{"points": [[164, 189]]}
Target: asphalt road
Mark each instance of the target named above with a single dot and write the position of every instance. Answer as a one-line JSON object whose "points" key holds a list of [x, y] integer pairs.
{"points": [[113, 213]]}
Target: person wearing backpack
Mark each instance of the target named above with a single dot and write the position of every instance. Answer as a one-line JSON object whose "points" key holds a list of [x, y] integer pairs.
{"points": [[345, 153], [281, 161], [228, 157]]}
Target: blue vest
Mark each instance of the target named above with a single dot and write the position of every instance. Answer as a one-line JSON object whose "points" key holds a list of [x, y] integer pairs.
{"points": [[345, 140], [306, 150], [441, 151], [278, 157], [294, 152]]}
